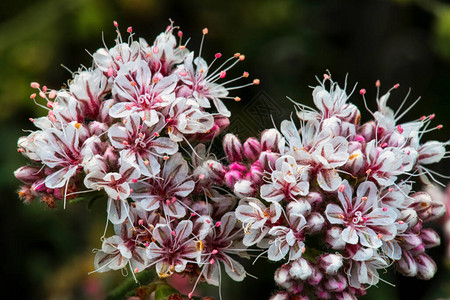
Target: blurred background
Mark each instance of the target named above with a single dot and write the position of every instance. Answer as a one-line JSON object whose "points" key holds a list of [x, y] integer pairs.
{"points": [[47, 253]]}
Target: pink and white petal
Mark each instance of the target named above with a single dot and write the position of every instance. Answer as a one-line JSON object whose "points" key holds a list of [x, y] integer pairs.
{"points": [[368, 190], [117, 135], [139, 260], [221, 108], [296, 250], [381, 216], [164, 145], [184, 189], [228, 223], [270, 193], [174, 209], [150, 117], [211, 273], [118, 211], [121, 110], [148, 165], [104, 262], [345, 197], [328, 179], [333, 213], [162, 233], [349, 235], [278, 249], [368, 238], [149, 202], [183, 230], [234, 269], [60, 177], [254, 236]]}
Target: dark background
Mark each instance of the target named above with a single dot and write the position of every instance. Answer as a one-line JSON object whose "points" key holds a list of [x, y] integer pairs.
{"points": [[46, 254]]}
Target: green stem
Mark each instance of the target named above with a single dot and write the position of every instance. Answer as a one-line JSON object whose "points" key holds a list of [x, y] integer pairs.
{"points": [[143, 278]]}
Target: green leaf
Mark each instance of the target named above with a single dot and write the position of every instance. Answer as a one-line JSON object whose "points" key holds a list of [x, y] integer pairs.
{"points": [[163, 292]]}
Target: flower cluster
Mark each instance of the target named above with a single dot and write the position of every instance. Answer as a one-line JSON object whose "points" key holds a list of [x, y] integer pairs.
{"points": [[347, 182], [119, 128], [329, 196]]}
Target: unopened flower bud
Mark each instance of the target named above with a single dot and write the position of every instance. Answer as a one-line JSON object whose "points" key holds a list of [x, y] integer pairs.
{"points": [[314, 198], [216, 171], [411, 241], [255, 174], [300, 207], [236, 166], [316, 276], [267, 160], [233, 148], [417, 250], [97, 128], [315, 223], [426, 267], [430, 238], [270, 140], [28, 174], [333, 238], [280, 295], [367, 131], [426, 208], [221, 121], [409, 216], [407, 265], [283, 278], [300, 269], [344, 296], [231, 177], [336, 283], [252, 149], [330, 263], [244, 188]]}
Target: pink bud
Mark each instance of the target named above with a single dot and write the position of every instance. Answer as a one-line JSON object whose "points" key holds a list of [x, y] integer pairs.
{"points": [[426, 267], [28, 174], [315, 223], [270, 139], [244, 188], [252, 149], [236, 166], [267, 160], [407, 265], [430, 238], [233, 148], [336, 283], [330, 263], [333, 238], [231, 177], [300, 269], [283, 278]]}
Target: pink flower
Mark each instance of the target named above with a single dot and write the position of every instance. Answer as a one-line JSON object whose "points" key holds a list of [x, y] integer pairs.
{"points": [[140, 144], [364, 221], [166, 191]]}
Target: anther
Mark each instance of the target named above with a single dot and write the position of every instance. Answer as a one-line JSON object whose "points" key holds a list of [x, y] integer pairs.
{"points": [[32, 96], [223, 74], [245, 75], [116, 24], [130, 30], [35, 85], [377, 83], [341, 188], [256, 81], [439, 127], [241, 57], [205, 31], [237, 99], [218, 223], [218, 55], [165, 157], [396, 86], [214, 252], [362, 91], [236, 55]]}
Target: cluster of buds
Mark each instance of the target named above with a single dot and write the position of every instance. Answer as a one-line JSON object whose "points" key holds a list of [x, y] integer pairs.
{"points": [[135, 127]]}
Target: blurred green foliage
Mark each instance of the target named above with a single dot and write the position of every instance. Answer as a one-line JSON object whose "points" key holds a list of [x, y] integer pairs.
{"points": [[47, 252]]}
